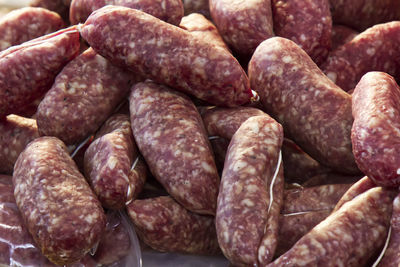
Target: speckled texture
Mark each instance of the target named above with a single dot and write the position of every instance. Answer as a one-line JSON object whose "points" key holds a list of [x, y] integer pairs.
{"points": [[167, 55], [244, 197], [308, 23], [391, 257], [361, 14], [115, 243], [203, 29], [314, 112], [224, 122], [348, 237], [28, 70], [15, 133], [108, 162], [295, 225], [375, 49], [27, 23], [59, 6], [243, 24], [170, 11], [323, 197], [83, 96], [166, 226], [356, 189], [375, 134], [197, 6], [58, 207], [171, 137], [341, 34], [298, 165]]}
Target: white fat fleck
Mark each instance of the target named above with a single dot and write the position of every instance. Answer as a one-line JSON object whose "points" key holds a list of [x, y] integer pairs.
{"points": [[398, 171], [207, 167], [132, 45], [287, 59], [371, 51], [112, 162], [303, 38], [247, 202], [332, 76], [239, 165]]}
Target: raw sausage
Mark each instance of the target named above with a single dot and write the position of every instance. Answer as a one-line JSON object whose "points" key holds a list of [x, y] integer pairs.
{"points": [[171, 137], [167, 54], [58, 207]]}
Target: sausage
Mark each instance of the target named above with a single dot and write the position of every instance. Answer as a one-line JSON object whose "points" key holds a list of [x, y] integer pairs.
{"points": [[243, 24], [356, 189], [15, 133], [27, 71], [348, 237], [391, 256], [47, 182], [294, 226], [167, 55], [323, 197], [27, 23], [115, 243], [331, 178], [244, 197], [170, 11], [307, 23], [224, 122], [298, 165], [342, 34], [374, 135], [364, 53], [314, 112], [166, 226], [362, 14], [59, 6], [197, 6], [202, 28], [83, 96], [171, 137], [108, 162]]}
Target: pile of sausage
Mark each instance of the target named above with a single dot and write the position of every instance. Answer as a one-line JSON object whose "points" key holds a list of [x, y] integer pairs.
{"points": [[266, 130]]}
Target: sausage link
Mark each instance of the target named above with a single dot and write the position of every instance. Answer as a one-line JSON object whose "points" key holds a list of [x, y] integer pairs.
{"points": [[166, 226], [243, 24], [375, 133], [27, 71], [314, 112], [58, 207], [202, 28], [308, 23], [362, 14], [171, 137], [15, 133], [83, 96], [108, 162], [167, 54], [27, 23], [244, 197], [294, 226], [323, 197], [346, 65], [348, 237], [170, 11], [59, 6]]}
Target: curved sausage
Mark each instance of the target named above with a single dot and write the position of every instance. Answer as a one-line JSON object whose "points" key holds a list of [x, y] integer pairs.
{"points": [[27, 71], [58, 207], [167, 55], [375, 49], [15, 133], [348, 237], [314, 112], [166, 226], [82, 97], [170, 11], [27, 23], [171, 137], [375, 133], [243, 24], [308, 23], [244, 197]]}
